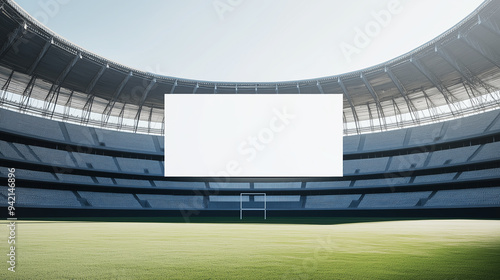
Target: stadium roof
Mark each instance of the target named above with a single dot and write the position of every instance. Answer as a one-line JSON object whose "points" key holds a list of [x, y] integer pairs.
{"points": [[456, 73]]}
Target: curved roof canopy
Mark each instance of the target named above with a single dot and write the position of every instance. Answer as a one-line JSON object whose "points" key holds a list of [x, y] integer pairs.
{"points": [[456, 73]]}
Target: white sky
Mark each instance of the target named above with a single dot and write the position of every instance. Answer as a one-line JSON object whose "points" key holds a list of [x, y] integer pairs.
{"points": [[249, 40]]}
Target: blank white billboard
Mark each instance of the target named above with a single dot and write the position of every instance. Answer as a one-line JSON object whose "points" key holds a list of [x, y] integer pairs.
{"points": [[253, 135]]}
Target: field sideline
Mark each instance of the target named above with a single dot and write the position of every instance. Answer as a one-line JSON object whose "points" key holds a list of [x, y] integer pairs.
{"points": [[415, 249]]}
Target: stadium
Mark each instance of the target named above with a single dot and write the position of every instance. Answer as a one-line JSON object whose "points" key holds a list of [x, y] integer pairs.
{"points": [[85, 136]]}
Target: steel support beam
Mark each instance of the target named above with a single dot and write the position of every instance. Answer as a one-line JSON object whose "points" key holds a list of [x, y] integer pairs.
{"points": [[87, 109], [40, 56], [50, 93], [163, 125], [27, 92], [484, 50], [397, 113], [56, 86], [470, 93], [372, 125], [195, 88], [380, 111], [96, 78], [120, 117], [348, 97], [53, 95], [62, 76], [435, 82], [409, 103], [68, 69], [150, 118], [14, 36], [5, 86], [175, 85], [67, 106], [147, 91], [320, 88], [58, 93], [111, 104], [345, 122], [489, 24], [141, 103], [430, 105], [462, 69]]}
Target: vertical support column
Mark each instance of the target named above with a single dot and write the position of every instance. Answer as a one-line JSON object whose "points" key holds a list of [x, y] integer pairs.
{"points": [[348, 97], [5, 87]]}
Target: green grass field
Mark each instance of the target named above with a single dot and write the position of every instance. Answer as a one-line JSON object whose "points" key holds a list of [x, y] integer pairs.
{"points": [[414, 249]]}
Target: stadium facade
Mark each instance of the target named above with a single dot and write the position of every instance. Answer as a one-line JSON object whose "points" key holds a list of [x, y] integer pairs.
{"points": [[421, 132]]}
